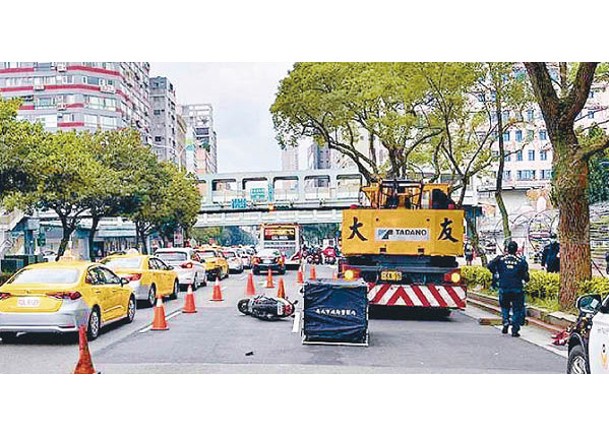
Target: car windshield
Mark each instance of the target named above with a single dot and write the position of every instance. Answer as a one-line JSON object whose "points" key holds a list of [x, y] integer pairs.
{"points": [[123, 263], [172, 256], [269, 253], [46, 276], [229, 254], [207, 254]]}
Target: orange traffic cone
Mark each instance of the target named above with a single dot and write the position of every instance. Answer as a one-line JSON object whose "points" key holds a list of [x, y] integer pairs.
{"points": [[280, 289], [159, 323], [313, 274], [189, 302], [299, 278], [250, 290], [217, 295], [84, 365], [269, 279]]}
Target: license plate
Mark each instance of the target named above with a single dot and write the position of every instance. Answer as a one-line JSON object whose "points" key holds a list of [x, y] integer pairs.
{"points": [[28, 302], [267, 261], [391, 275]]}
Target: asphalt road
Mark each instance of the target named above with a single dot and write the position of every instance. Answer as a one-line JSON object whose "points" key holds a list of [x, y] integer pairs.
{"points": [[219, 339]]}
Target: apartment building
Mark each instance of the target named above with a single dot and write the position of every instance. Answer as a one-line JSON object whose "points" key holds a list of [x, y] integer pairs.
{"points": [[201, 118], [80, 95], [168, 128]]}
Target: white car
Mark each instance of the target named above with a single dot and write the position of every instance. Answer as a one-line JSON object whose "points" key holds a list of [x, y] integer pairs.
{"points": [[588, 341], [235, 264], [189, 266], [245, 257]]}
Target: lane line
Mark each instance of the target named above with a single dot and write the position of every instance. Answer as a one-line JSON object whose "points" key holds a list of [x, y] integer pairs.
{"points": [[149, 327], [296, 326]]}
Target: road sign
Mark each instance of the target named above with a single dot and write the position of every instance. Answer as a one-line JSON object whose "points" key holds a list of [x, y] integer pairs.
{"points": [[239, 203], [258, 194]]}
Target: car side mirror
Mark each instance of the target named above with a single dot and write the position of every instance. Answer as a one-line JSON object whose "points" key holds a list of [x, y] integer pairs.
{"points": [[124, 281], [589, 304], [170, 267]]}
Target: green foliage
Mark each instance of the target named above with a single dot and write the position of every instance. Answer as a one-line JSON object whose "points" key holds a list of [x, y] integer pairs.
{"points": [[598, 176], [4, 277], [316, 233], [543, 285], [225, 236], [476, 276], [595, 285]]}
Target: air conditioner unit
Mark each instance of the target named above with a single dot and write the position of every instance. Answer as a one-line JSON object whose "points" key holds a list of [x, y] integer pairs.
{"points": [[107, 89], [39, 87], [61, 106], [62, 67]]}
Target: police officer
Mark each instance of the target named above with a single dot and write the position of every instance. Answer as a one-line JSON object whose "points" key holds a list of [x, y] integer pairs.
{"points": [[550, 258], [511, 271], [607, 261]]}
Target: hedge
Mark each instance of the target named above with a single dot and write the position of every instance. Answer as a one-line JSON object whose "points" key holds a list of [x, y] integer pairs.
{"points": [[543, 285]]}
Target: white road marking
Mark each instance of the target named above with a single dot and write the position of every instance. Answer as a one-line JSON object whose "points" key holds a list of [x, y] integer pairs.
{"points": [[149, 327], [296, 326]]}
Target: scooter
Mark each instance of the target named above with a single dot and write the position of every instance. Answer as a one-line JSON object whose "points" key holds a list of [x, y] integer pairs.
{"points": [[267, 308]]}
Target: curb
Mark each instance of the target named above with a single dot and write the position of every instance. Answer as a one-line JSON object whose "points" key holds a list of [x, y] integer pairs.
{"points": [[554, 322]]}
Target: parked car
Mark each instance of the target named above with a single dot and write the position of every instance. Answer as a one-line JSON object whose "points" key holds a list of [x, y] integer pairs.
{"points": [[190, 267], [217, 266], [588, 341], [148, 276], [267, 259], [235, 263], [61, 296]]}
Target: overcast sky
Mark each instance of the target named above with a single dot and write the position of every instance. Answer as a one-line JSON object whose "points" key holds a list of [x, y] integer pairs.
{"points": [[241, 95]]}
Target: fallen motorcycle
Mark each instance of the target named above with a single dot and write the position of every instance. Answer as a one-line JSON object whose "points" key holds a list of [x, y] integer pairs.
{"points": [[267, 308]]}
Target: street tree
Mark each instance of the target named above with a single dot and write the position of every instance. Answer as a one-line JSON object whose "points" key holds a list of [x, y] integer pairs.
{"points": [[17, 139], [356, 109], [561, 104], [66, 177]]}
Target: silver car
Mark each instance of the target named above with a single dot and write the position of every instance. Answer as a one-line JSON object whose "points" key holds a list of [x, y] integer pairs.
{"points": [[189, 266]]}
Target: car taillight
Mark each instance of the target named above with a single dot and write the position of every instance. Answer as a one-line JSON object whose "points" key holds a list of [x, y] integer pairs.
{"points": [[187, 265], [134, 277], [453, 277], [66, 295], [4, 296]]}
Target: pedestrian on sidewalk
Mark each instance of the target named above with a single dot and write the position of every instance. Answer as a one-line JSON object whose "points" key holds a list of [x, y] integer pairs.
{"points": [[550, 258], [607, 261], [469, 254], [512, 271]]}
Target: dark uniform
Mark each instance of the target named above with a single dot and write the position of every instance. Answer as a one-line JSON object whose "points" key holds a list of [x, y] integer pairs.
{"points": [[550, 257], [607, 261], [510, 272]]}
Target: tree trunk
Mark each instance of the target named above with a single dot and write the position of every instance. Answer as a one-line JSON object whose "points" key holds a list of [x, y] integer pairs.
{"points": [[67, 231], [475, 240], [507, 232], [94, 223], [570, 186]]}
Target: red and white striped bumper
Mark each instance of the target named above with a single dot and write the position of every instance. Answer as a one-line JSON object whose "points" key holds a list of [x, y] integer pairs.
{"points": [[430, 295]]}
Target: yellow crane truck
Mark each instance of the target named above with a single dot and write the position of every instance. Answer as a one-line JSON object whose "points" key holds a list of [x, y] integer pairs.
{"points": [[403, 240]]}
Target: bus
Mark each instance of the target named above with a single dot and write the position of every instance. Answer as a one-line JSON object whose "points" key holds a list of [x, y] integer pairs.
{"points": [[284, 237]]}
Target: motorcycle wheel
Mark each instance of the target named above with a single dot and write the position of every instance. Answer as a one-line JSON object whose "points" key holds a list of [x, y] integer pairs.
{"points": [[242, 306]]}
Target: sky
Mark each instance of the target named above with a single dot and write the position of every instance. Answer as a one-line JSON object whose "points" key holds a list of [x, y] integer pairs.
{"points": [[241, 94]]}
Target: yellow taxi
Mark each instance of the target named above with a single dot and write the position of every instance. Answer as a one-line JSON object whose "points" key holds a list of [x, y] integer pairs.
{"points": [[148, 276], [216, 264], [62, 296]]}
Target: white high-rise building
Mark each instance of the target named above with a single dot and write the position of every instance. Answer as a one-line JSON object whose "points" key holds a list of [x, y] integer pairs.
{"points": [[289, 159], [201, 118]]}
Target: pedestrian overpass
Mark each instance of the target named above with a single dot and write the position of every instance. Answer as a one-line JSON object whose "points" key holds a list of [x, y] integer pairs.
{"points": [[254, 198]]}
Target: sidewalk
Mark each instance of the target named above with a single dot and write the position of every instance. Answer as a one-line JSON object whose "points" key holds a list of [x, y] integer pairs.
{"points": [[530, 333]]}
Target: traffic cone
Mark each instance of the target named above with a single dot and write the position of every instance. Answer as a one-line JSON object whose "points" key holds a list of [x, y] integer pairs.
{"points": [[84, 365], [299, 277], [217, 295], [159, 323], [313, 274], [269, 279], [250, 290], [280, 289], [189, 302]]}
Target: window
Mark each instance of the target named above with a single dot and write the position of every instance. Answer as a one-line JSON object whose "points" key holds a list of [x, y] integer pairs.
{"points": [[543, 155], [543, 135], [526, 174], [546, 174], [508, 157], [530, 135], [481, 98], [157, 138], [590, 114], [531, 155], [519, 156], [506, 136], [91, 120], [530, 115], [107, 121], [505, 116], [518, 135], [507, 175], [157, 112]]}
